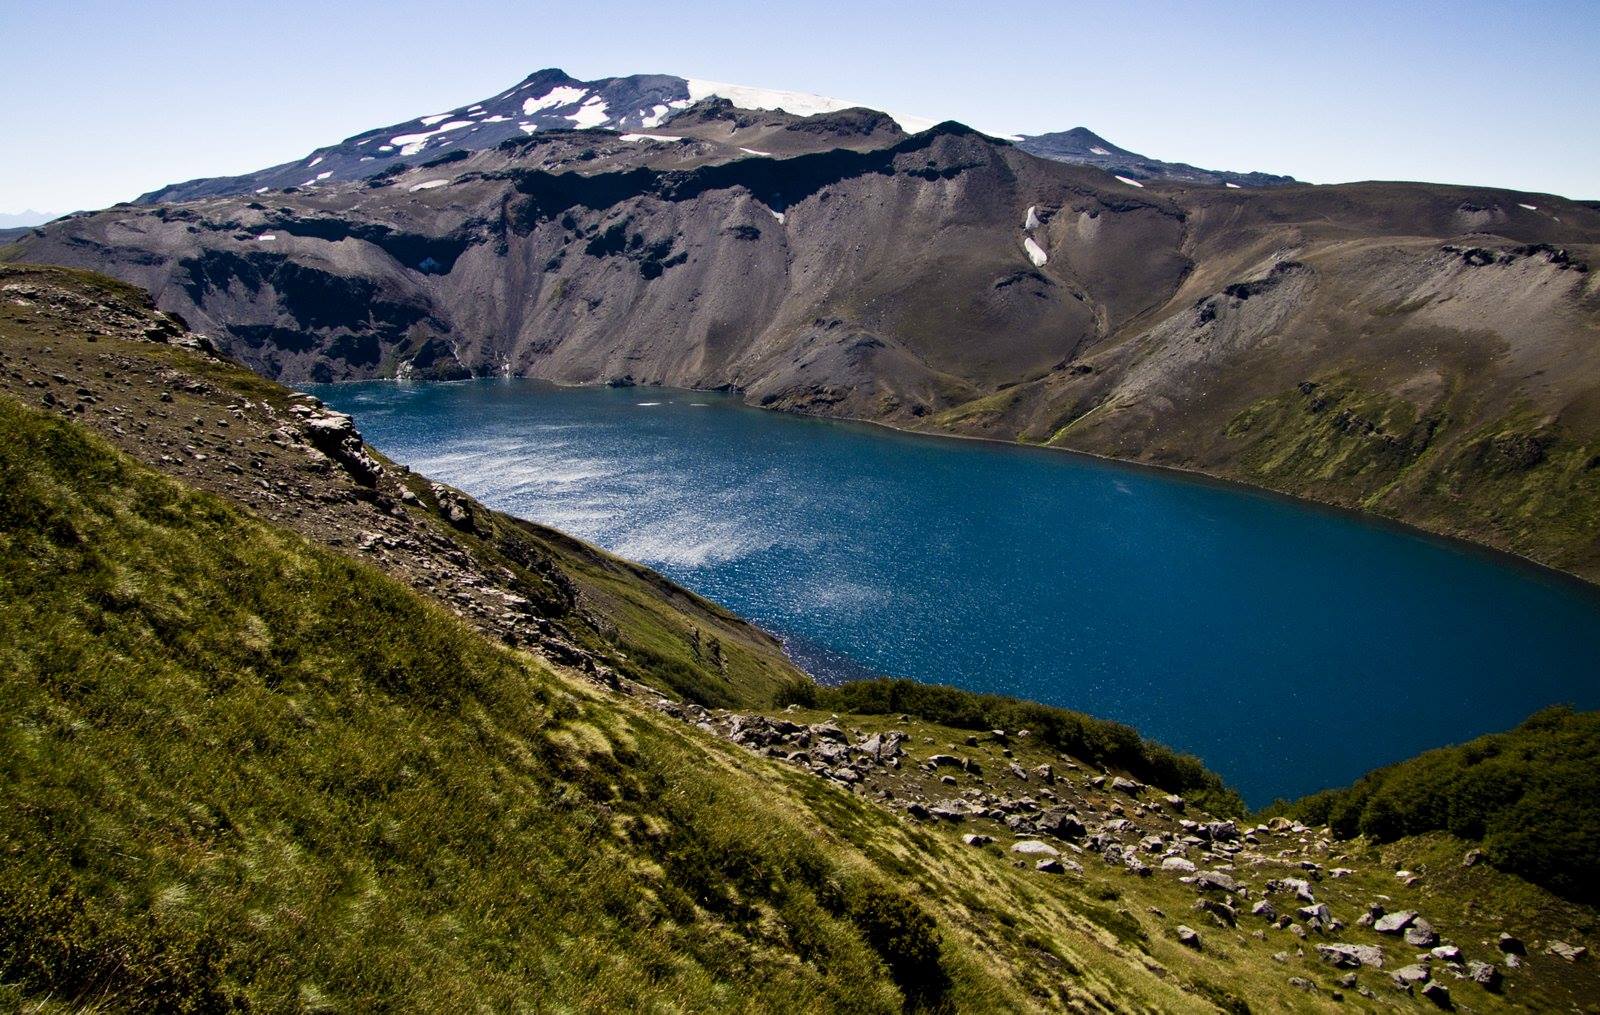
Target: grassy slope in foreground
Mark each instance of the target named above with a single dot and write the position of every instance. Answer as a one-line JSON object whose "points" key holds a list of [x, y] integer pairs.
{"points": [[240, 768]]}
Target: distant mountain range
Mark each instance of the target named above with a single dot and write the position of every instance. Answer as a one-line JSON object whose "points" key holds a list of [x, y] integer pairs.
{"points": [[640, 103]]}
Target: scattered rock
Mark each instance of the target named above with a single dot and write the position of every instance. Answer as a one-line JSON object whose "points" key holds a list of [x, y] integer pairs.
{"points": [[1207, 881], [1562, 950], [1395, 923], [1438, 993], [1421, 934], [1407, 977], [1485, 974], [1350, 956]]}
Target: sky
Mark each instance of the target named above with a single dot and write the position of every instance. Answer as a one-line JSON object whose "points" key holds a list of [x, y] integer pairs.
{"points": [[105, 100]]}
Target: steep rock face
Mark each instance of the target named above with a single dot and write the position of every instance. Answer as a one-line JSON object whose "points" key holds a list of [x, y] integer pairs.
{"points": [[1376, 345]]}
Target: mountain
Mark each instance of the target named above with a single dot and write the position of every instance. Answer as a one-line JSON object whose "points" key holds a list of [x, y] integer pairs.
{"points": [[288, 727], [638, 104], [1082, 146], [543, 101], [1424, 351], [24, 219]]}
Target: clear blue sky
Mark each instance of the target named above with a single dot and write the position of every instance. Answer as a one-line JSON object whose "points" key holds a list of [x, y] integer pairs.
{"points": [[104, 100]]}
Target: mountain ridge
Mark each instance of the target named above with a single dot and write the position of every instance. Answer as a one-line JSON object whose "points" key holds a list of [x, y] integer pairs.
{"points": [[551, 99]]}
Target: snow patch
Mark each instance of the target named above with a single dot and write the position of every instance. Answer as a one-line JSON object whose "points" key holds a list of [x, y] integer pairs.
{"points": [[265, 238], [591, 114], [365, 158], [411, 144], [324, 176], [527, 128], [262, 190], [652, 137], [497, 118], [1032, 219], [798, 103], [1036, 253], [752, 151], [1233, 186], [1097, 150], [777, 215], [1131, 183], [429, 185], [1530, 207], [563, 95], [647, 403], [657, 113], [429, 121], [314, 161]]}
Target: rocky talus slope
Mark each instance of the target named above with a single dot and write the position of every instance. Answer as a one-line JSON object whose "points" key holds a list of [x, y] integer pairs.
{"points": [[290, 727], [1426, 352]]}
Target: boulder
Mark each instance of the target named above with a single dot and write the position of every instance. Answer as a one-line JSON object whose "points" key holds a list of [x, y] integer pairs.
{"points": [[1562, 950], [1214, 881], [1317, 916], [1407, 977], [1394, 923], [1127, 786], [1177, 863], [1447, 953], [976, 840], [1224, 914], [1421, 934], [1188, 937], [1349, 956], [1062, 823], [1485, 974], [1437, 992], [1049, 865], [1265, 910], [1033, 847], [1512, 945]]}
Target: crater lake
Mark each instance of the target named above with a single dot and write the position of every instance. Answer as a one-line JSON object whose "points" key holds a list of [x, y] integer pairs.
{"points": [[1289, 646]]}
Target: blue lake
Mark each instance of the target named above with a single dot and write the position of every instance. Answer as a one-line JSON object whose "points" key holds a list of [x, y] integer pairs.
{"points": [[1288, 646]]}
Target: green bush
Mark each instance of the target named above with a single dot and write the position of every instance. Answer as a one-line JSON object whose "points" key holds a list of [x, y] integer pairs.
{"points": [[1531, 796], [1097, 741]]}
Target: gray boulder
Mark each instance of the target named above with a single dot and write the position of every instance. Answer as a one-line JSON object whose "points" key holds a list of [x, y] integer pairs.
{"points": [[1349, 956]]}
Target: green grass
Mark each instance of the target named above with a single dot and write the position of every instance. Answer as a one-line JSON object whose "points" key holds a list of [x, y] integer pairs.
{"points": [[242, 771]]}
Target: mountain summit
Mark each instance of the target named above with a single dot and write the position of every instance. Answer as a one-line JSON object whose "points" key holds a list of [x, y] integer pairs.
{"points": [[552, 100]]}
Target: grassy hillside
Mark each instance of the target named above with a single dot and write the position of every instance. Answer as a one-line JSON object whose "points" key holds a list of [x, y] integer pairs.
{"points": [[1530, 797], [243, 771]]}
